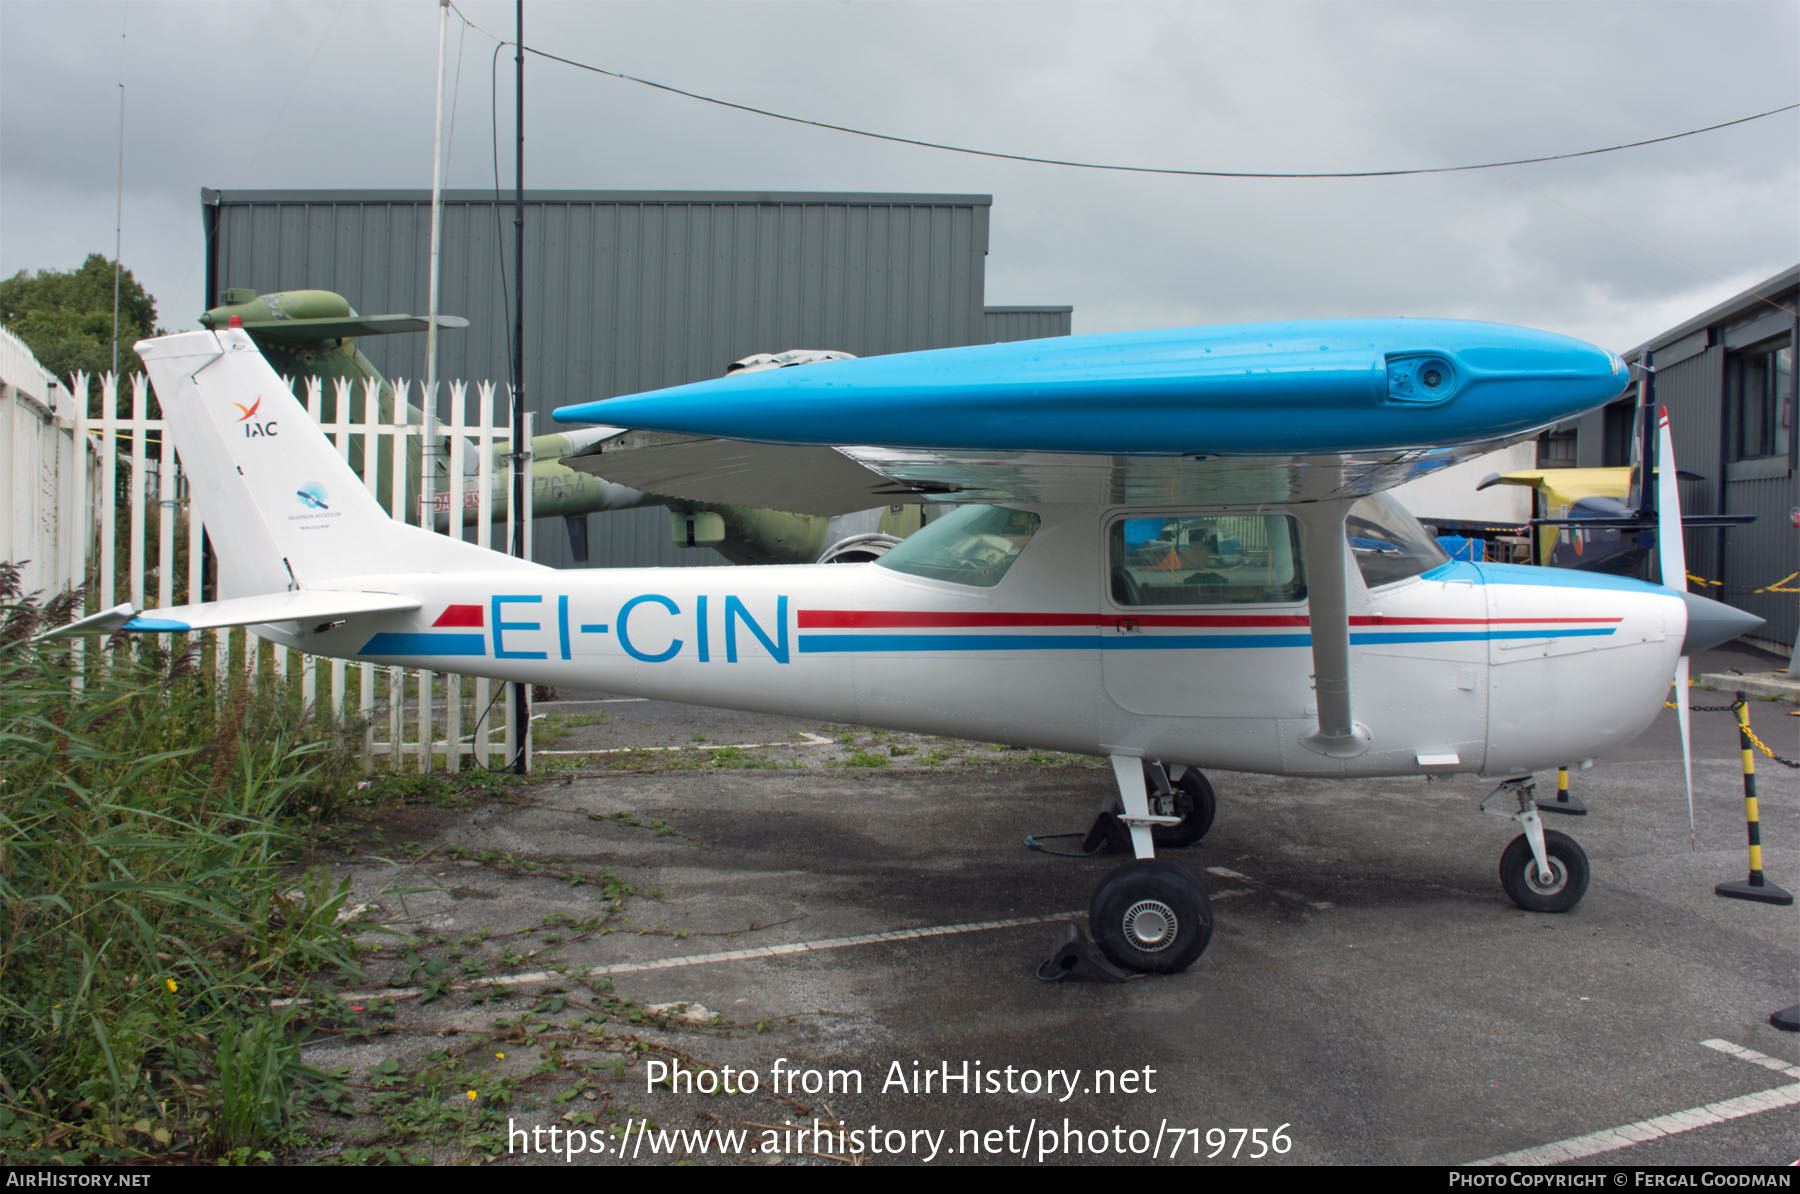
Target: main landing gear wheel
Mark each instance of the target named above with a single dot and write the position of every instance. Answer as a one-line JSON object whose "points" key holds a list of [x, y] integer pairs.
{"points": [[1151, 916], [1568, 874], [1190, 798]]}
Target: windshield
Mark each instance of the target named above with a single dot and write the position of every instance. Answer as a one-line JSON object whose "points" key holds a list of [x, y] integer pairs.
{"points": [[1388, 543], [972, 545]]}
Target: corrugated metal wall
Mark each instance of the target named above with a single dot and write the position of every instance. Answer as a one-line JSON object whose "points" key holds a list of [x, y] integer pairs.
{"points": [[1769, 548], [1690, 365], [625, 291], [1006, 324]]}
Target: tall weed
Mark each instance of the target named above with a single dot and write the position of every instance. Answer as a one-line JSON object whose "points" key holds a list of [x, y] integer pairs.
{"points": [[146, 923]]}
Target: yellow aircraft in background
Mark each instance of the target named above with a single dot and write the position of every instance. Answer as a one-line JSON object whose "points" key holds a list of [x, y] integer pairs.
{"points": [[1594, 519]]}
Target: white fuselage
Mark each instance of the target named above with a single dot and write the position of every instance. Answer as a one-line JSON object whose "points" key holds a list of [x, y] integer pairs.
{"points": [[1465, 668]]}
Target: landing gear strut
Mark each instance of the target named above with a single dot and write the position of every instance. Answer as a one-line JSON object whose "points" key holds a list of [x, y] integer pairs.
{"points": [[1542, 870], [1180, 792]]}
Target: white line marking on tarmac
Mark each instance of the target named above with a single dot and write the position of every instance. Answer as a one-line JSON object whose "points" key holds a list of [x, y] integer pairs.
{"points": [[1754, 1058], [805, 739], [1577, 1148], [739, 955]]}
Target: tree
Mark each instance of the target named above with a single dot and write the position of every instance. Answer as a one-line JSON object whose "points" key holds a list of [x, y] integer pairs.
{"points": [[67, 319]]}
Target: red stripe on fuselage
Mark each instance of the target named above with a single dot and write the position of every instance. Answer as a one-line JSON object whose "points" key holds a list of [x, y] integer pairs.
{"points": [[460, 615], [853, 619], [850, 619], [1384, 620]]}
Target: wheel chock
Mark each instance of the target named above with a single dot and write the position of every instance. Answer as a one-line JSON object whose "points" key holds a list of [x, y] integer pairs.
{"points": [[1076, 956], [1108, 832]]}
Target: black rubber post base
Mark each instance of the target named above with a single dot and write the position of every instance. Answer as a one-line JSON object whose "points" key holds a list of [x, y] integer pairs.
{"points": [[1076, 956], [1787, 1019], [1572, 807], [1762, 893]]}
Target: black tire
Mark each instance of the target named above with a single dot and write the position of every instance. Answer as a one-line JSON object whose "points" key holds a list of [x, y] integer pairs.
{"points": [[1151, 916], [1568, 864], [1195, 804]]}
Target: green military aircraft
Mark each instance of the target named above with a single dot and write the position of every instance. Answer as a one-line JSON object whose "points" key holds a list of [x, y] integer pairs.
{"points": [[313, 333]]}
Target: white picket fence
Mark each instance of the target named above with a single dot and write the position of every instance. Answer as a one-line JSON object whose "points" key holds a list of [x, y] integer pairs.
{"points": [[47, 470], [429, 720]]}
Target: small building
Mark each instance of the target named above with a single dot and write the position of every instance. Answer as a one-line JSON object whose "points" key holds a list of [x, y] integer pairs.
{"points": [[1727, 378], [52, 470]]}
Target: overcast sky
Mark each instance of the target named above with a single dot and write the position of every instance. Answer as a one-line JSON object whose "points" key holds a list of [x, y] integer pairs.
{"points": [[1614, 248]]}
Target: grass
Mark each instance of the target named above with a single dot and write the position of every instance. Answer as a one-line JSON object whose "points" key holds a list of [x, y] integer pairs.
{"points": [[148, 924]]}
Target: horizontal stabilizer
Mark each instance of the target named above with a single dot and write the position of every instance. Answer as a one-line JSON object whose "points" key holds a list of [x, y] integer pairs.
{"points": [[310, 605]]}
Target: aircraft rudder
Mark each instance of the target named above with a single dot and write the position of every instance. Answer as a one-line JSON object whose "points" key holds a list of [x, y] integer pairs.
{"points": [[280, 503]]}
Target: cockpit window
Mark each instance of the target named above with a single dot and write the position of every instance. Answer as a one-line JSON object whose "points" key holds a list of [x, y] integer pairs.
{"points": [[1388, 543], [1220, 559], [972, 545]]}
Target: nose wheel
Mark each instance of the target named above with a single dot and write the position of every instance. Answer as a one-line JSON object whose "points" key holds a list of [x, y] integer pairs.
{"points": [[1542, 870], [1558, 886]]}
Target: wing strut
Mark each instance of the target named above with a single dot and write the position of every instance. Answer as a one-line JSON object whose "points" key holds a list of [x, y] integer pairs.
{"points": [[1328, 604]]}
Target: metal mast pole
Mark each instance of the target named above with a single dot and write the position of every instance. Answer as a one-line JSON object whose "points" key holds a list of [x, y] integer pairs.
{"points": [[428, 454], [520, 449], [118, 227]]}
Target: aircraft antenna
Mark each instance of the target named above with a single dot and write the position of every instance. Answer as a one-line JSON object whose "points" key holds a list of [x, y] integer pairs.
{"points": [[119, 200]]}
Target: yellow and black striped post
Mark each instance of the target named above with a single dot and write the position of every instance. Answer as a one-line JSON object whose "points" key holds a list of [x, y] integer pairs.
{"points": [[1755, 887], [1564, 802]]}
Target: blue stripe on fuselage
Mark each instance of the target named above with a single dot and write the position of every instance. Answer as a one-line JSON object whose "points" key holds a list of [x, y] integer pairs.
{"points": [[425, 644], [838, 643], [834, 644], [1474, 636]]}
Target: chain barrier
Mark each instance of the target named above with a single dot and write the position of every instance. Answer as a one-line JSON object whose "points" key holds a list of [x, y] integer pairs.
{"points": [[1759, 745], [1780, 586], [1744, 725]]}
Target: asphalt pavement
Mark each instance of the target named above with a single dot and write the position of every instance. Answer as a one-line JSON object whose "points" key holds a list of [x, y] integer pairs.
{"points": [[735, 938]]}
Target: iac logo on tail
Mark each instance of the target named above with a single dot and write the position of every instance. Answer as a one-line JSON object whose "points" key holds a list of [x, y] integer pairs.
{"points": [[253, 429]]}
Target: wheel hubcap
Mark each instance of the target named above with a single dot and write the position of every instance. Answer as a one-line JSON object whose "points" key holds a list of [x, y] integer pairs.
{"points": [[1150, 925], [1535, 881]]}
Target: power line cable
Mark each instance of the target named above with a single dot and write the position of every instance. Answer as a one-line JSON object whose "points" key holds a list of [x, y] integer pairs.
{"points": [[1112, 166]]}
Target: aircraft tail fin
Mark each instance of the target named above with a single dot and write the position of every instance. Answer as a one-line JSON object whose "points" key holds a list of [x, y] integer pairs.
{"points": [[282, 507]]}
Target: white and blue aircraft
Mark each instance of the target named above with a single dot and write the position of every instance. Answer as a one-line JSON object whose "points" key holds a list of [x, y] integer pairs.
{"points": [[1171, 549]]}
